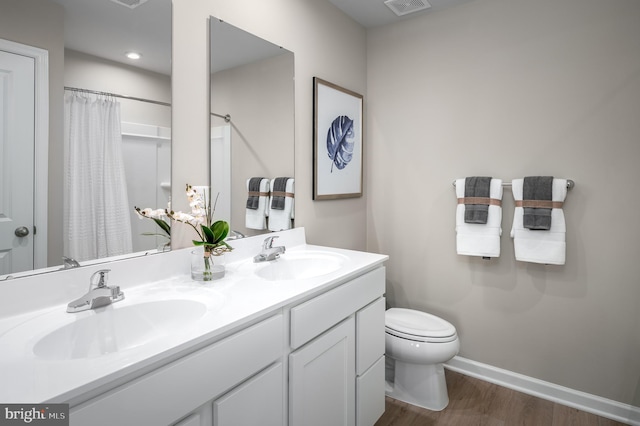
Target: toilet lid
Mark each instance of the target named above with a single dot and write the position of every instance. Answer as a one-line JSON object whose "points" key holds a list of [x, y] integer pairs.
{"points": [[410, 322]]}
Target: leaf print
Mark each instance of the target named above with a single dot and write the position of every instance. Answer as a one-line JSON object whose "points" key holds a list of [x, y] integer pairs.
{"points": [[340, 142]]}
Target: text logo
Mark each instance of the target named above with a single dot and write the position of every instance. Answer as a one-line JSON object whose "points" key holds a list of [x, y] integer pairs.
{"points": [[34, 414]]}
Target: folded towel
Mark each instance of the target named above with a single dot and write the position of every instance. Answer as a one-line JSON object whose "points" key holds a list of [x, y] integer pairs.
{"points": [[476, 186], [537, 188], [279, 188], [280, 220], [254, 192], [480, 239], [257, 218], [546, 247]]}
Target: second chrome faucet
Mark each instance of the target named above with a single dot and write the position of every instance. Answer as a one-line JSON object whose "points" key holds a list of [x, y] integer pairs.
{"points": [[269, 252]]}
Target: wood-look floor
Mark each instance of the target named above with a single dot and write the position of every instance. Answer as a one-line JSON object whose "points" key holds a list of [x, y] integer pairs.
{"points": [[474, 402]]}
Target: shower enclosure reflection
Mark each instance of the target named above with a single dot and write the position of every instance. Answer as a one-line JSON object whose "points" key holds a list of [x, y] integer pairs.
{"points": [[252, 81], [84, 40]]}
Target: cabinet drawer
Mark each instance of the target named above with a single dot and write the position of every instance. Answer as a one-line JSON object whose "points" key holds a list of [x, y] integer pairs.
{"points": [[370, 394], [180, 387], [314, 316], [369, 335]]}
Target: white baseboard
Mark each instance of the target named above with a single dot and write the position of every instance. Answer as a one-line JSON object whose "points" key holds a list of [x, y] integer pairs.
{"points": [[603, 407]]}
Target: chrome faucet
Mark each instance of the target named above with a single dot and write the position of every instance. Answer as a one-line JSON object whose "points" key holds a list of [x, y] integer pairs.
{"points": [[269, 252], [68, 263], [99, 294]]}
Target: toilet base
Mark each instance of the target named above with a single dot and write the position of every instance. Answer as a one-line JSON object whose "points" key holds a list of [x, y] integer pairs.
{"points": [[417, 384]]}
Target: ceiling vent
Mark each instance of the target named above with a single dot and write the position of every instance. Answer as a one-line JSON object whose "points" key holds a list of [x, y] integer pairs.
{"points": [[404, 7], [131, 4]]}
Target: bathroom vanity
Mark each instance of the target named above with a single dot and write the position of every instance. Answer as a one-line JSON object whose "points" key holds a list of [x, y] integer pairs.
{"points": [[299, 340]]}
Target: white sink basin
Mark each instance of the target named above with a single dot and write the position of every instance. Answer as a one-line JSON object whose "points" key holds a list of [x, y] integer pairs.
{"points": [[114, 328], [300, 266]]}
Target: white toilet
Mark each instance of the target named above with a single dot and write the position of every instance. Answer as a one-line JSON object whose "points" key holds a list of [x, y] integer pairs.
{"points": [[417, 344]]}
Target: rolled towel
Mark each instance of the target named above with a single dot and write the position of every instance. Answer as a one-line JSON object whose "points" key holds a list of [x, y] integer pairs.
{"points": [[537, 188], [536, 246], [254, 192], [280, 220], [257, 218], [479, 239], [476, 186]]}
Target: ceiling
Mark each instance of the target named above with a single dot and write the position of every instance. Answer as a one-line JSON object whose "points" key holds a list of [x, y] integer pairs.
{"points": [[108, 29], [374, 13]]}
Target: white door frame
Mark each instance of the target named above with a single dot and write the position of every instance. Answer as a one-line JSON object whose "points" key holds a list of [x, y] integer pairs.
{"points": [[41, 133]]}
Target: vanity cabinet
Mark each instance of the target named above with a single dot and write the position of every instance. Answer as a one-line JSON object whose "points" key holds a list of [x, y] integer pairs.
{"points": [[328, 350], [183, 391], [336, 368]]}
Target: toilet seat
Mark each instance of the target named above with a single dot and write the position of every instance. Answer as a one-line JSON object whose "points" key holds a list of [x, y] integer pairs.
{"points": [[419, 326]]}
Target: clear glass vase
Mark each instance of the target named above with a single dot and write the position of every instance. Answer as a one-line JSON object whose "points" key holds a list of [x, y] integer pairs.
{"points": [[205, 266]]}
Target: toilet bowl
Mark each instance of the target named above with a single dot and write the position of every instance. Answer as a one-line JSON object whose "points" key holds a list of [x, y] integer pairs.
{"points": [[417, 345]]}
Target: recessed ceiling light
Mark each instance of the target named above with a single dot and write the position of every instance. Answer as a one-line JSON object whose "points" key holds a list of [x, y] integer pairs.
{"points": [[133, 55]]}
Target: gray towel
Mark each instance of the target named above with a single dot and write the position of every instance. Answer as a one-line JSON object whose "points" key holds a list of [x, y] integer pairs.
{"points": [[254, 186], [476, 186], [537, 188], [279, 185]]}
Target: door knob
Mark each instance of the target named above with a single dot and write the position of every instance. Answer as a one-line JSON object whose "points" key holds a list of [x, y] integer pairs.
{"points": [[22, 231]]}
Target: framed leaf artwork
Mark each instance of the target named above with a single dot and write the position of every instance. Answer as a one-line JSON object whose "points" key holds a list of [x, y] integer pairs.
{"points": [[337, 142]]}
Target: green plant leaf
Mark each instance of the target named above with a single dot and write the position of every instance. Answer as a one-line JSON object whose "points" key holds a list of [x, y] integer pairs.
{"points": [[220, 230], [208, 234], [163, 225]]}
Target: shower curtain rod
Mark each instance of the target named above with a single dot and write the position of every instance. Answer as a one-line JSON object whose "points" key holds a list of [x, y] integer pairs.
{"points": [[227, 117], [570, 183], [115, 95]]}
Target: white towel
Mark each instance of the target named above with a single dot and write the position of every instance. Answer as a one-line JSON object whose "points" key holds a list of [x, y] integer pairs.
{"points": [[474, 239], [257, 219], [546, 247], [279, 220]]}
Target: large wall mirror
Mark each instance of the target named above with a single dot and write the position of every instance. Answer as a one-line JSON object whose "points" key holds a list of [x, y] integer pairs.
{"points": [[97, 34], [252, 84]]}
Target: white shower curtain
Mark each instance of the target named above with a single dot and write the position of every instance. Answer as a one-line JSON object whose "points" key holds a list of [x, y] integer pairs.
{"points": [[97, 218]]}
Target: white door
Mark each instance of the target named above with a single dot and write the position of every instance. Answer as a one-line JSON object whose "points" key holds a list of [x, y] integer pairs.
{"points": [[17, 139]]}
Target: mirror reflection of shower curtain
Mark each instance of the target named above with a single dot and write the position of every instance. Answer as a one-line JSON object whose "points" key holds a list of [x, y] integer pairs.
{"points": [[96, 217], [221, 172]]}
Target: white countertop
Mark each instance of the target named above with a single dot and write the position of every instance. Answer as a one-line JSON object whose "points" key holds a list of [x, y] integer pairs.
{"points": [[28, 375]]}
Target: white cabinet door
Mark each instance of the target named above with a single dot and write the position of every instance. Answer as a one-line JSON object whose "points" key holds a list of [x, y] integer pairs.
{"points": [[321, 379], [259, 401]]}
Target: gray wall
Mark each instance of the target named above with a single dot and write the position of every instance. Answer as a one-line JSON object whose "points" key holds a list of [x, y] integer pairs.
{"points": [[509, 89]]}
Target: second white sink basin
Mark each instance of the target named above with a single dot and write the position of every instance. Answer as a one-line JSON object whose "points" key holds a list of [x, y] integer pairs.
{"points": [[114, 328], [300, 266]]}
